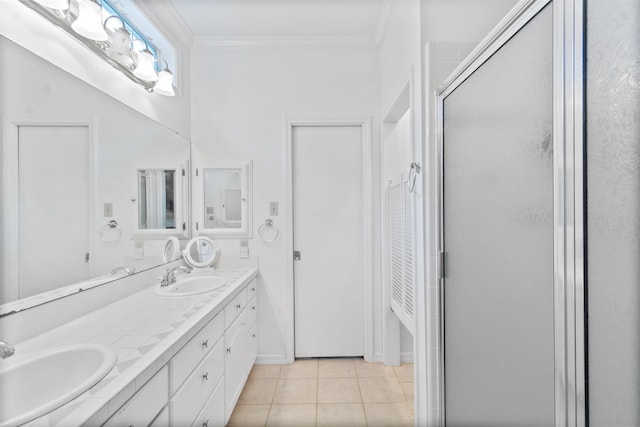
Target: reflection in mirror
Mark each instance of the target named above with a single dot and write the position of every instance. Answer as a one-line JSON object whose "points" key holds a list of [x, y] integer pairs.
{"points": [[156, 199], [225, 201], [78, 148], [171, 250]]}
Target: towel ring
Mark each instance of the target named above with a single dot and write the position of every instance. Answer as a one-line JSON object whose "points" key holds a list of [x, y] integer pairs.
{"points": [[111, 225], [268, 223]]}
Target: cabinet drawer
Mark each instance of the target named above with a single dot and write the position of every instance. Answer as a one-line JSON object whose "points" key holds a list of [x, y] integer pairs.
{"points": [[212, 414], [188, 401], [162, 420], [192, 353], [234, 308], [252, 311], [143, 407], [252, 288]]}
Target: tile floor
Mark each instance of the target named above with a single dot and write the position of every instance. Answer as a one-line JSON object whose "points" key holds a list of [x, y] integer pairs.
{"points": [[327, 392]]}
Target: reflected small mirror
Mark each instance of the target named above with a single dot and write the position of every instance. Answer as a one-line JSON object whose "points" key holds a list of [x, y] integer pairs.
{"points": [[171, 250], [158, 199], [201, 252], [225, 200]]}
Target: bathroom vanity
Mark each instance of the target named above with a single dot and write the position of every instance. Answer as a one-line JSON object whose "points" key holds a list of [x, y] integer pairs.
{"points": [[181, 360]]}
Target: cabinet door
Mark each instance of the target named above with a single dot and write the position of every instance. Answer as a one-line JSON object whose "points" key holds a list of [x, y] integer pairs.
{"points": [[252, 346], [235, 362]]}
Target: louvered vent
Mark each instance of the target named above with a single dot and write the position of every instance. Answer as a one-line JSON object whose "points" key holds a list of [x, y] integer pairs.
{"points": [[402, 262]]}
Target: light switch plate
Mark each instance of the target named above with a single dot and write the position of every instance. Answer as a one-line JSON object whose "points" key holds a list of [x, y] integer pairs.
{"points": [[273, 208], [108, 210]]}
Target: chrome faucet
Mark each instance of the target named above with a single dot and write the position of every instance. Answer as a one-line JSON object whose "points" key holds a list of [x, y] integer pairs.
{"points": [[6, 350], [125, 269], [170, 275]]}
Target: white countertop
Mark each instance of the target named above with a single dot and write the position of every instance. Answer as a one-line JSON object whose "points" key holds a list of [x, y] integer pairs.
{"points": [[145, 330]]}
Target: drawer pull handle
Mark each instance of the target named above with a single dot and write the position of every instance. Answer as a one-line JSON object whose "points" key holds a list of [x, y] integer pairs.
{"points": [[205, 343], [205, 424], [205, 376], [253, 289], [228, 349], [253, 336], [238, 307], [253, 308]]}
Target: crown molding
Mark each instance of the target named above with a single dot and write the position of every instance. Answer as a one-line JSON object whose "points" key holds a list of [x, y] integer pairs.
{"points": [[295, 43]]}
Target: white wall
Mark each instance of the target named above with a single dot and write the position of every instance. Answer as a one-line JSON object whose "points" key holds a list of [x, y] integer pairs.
{"points": [[32, 31], [239, 111], [461, 20]]}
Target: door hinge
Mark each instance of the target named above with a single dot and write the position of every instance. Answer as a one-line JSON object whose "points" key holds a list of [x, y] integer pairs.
{"points": [[443, 265], [196, 171], [184, 173], [184, 226], [196, 226], [87, 257], [297, 256]]}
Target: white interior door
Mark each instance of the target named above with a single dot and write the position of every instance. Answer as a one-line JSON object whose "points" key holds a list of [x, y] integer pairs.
{"points": [[328, 234], [54, 212]]}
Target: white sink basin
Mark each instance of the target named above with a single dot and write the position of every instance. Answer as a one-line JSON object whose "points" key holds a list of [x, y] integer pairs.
{"points": [[191, 286], [31, 386]]}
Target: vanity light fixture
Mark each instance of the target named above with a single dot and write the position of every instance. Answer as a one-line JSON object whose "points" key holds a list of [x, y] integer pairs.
{"points": [[164, 86], [119, 43], [114, 43], [145, 69], [89, 21], [55, 4]]}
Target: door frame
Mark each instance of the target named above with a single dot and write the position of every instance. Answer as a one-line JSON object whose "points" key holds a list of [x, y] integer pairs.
{"points": [[570, 386], [367, 226], [10, 195]]}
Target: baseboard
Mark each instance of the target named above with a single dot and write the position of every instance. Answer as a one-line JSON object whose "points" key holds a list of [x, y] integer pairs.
{"points": [[377, 357], [271, 359], [406, 357]]}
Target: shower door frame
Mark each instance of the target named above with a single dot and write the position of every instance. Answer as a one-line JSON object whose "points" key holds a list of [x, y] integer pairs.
{"points": [[568, 196]]}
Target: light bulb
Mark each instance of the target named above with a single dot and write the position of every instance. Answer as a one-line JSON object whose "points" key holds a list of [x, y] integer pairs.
{"points": [[145, 70], [89, 21], [164, 86]]}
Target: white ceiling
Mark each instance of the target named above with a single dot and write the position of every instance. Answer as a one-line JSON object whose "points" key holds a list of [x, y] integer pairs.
{"points": [[280, 18]]}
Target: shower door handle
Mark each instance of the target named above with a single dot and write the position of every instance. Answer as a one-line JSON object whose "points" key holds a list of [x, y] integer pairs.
{"points": [[297, 256]]}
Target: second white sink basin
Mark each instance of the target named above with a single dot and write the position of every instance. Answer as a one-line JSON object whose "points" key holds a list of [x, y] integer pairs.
{"points": [[191, 286], [31, 386]]}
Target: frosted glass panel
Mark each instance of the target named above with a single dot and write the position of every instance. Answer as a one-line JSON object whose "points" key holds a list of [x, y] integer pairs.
{"points": [[613, 211], [498, 228]]}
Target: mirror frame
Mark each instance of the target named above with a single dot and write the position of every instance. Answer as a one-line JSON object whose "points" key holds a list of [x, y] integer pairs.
{"points": [[181, 204], [246, 195], [188, 259]]}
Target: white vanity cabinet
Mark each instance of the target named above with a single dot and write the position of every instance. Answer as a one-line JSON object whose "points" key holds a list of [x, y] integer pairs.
{"points": [[201, 383], [145, 405]]}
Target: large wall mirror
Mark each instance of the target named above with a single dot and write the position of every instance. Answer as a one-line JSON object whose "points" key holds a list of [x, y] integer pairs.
{"points": [[91, 189], [222, 199]]}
